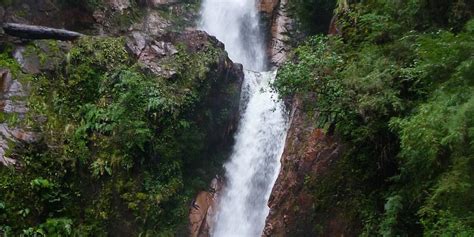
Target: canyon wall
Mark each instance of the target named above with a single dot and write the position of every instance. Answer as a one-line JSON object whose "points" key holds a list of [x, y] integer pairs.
{"points": [[278, 27], [206, 88], [309, 154]]}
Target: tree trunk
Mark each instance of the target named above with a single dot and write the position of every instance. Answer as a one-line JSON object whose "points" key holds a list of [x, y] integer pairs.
{"points": [[39, 32]]}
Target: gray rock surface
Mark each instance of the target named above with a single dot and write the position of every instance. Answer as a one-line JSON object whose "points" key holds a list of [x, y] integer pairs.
{"points": [[12, 102]]}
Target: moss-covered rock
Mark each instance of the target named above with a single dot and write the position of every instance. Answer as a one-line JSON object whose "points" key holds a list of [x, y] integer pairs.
{"points": [[122, 146]]}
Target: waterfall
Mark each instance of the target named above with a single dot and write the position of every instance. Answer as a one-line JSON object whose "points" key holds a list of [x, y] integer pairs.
{"points": [[255, 161]]}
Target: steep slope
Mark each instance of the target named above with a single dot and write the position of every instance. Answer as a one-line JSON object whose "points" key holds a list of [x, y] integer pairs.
{"points": [[309, 154], [127, 126], [391, 86]]}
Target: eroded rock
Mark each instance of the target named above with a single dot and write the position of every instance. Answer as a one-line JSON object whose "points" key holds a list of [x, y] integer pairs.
{"points": [[278, 26], [153, 24], [119, 5], [43, 55], [309, 152], [29, 62], [203, 209], [149, 52], [12, 102]]}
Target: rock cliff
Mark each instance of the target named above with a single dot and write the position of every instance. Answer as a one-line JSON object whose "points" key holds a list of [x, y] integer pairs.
{"points": [[201, 87], [309, 154], [278, 26]]}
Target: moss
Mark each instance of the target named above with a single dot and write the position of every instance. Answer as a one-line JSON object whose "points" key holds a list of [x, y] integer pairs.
{"points": [[180, 15], [6, 3], [116, 140], [7, 61], [122, 20]]}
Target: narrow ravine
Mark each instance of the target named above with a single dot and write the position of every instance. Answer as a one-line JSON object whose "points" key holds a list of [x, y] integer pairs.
{"points": [[255, 161]]}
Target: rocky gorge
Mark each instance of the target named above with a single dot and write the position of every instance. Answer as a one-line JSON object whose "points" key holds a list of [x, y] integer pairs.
{"points": [[152, 38], [127, 123]]}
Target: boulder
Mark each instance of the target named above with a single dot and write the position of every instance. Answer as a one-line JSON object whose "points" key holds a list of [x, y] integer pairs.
{"points": [[119, 5], [149, 52], [32, 59], [29, 62]]}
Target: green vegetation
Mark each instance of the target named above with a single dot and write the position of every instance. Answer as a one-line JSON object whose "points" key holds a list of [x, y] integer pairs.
{"points": [[313, 16], [121, 150], [397, 86], [6, 3]]}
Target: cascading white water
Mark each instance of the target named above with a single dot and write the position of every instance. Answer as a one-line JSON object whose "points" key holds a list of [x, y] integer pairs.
{"points": [[236, 24], [255, 161]]}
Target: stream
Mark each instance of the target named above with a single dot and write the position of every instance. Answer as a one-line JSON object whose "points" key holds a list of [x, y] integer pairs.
{"points": [[254, 164]]}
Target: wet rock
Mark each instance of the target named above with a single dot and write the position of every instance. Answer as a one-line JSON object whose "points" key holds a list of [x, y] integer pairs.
{"points": [[278, 25], [198, 213], [268, 6], [281, 27], [309, 153], [203, 209]]}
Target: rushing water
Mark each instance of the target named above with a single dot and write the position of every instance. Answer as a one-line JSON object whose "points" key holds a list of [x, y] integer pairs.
{"points": [[255, 161]]}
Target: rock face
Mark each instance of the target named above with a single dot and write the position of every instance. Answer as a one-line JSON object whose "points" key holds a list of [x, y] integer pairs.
{"points": [[12, 103], [149, 51], [149, 42], [152, 24], [309, 153], [225, 78], [119, 5], [48, 13], [203, 209], [158, 3], [42, 56], [278, 25]]}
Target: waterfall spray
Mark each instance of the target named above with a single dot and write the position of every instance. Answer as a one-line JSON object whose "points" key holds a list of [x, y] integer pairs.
{"points": [[255, 161]]}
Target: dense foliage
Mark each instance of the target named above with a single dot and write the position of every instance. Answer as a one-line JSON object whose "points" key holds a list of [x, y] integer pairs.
{"points": [[313, 16], [121, 150], [397, 86]]}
